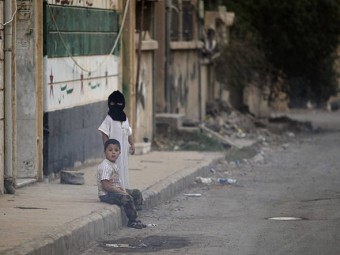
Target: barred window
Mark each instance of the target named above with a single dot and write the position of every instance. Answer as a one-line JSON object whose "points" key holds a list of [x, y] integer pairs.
{"points": [[187, 17], [181, 20], [175, 21], [147, 16]]}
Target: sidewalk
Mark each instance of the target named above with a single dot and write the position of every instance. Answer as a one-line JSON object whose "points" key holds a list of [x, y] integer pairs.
{"points": [[54, 218]]}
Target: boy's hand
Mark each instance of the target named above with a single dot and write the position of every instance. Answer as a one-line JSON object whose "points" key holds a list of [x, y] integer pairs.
{"points": [[121, 190], [107, 185]]}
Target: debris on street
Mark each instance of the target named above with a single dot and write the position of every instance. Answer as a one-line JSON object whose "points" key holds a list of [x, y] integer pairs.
{"points": [[151, 225], [203, 180], [212, 180], [226, 181]]}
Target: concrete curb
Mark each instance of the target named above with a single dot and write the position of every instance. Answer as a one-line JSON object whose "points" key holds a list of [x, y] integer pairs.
{"points": [[166, 189], [74, 236]]}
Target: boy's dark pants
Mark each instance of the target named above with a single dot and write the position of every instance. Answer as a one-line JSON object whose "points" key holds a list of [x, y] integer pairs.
{"points": [[129, 202]]}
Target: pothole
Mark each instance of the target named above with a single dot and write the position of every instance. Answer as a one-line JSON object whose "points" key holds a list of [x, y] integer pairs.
{"points": [[144, 244]]}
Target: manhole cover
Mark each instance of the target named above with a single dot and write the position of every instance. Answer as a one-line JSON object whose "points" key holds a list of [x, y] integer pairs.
{"points": [[144, 244], [286, 218]]}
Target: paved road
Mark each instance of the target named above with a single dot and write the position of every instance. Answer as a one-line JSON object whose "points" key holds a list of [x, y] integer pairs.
{"points": [[299, 178]]}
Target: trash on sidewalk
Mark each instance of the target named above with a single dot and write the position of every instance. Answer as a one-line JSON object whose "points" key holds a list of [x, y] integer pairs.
{"points": [[151, 225], [223, 181], [226, 181], [193, 194], [240, 133], [200, 179]]}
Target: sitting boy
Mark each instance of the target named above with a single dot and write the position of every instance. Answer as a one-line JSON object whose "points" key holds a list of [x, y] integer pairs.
{"points": [[109, 185]]}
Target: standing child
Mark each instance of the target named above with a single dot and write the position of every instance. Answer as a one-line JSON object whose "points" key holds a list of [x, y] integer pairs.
{"points": [[110, 189], [116, 126]]}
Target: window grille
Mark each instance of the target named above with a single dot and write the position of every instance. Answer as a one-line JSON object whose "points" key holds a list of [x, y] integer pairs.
{"points": [[187, 17]]}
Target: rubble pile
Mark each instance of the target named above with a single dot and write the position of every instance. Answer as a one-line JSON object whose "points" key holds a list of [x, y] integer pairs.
{"points": [[185, 140], [226, 121], [225, 127]]}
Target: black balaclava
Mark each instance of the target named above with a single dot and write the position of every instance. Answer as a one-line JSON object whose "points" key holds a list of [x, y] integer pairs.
{"points": [[116, 103]]}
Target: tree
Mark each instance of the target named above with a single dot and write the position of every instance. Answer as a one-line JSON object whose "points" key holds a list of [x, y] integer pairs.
{"points": [[298, 39]]}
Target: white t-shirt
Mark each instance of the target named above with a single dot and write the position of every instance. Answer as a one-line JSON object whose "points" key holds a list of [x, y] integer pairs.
{"points": [[107, 170], [119, 131]]}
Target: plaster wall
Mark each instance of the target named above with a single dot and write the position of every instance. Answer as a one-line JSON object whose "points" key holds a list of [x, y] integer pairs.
{"points": [[204, 88], [26, 91], [2, 106], [160, 59], [185, 83], [256, 101], [144, 124], [67, 86]]}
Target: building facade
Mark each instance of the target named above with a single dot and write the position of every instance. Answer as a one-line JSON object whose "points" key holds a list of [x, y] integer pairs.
{"points": [[60, 61]]}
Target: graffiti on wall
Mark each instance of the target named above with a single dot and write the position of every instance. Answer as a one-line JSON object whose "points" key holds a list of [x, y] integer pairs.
{"points": [[24, 10], [184, 76], [142, 86], [112, 4], [66, 85]]}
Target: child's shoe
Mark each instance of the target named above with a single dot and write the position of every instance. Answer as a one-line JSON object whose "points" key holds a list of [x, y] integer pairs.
{"points": [[136, 224]]}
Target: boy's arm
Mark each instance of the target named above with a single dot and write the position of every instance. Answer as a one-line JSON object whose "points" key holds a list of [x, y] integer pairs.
{"points": [[107, 186]]}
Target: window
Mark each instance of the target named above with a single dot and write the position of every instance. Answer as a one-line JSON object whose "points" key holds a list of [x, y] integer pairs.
{"points": [[181, 20], [187, 21], [147, 16]]}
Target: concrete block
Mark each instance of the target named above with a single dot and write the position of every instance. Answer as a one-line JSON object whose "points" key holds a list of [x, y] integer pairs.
{"points": [[174, 121], [142, 148], [72, 177]]}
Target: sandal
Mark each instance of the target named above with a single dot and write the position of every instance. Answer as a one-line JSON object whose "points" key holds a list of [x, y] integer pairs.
{"points": [[135, 224]]}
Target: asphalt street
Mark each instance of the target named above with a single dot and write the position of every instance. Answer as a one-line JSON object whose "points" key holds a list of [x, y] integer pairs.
{"points": [[286, 203]]}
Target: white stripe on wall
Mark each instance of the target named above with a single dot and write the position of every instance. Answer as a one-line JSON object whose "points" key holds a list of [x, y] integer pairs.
{"points": [[66, 85]]}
